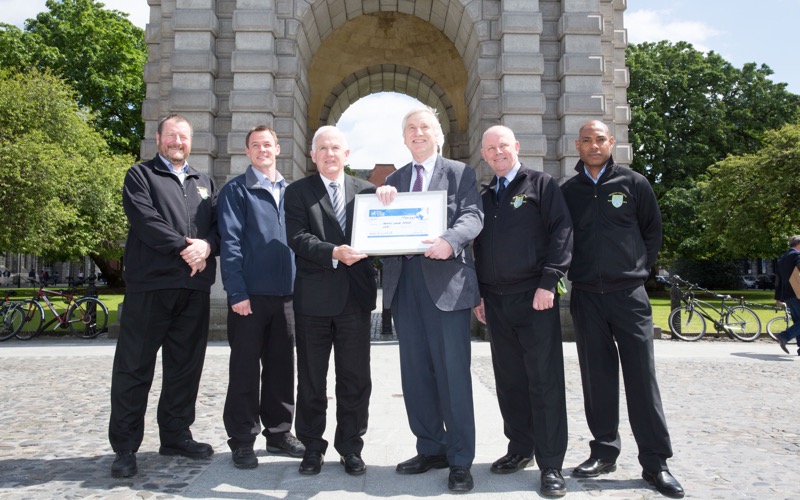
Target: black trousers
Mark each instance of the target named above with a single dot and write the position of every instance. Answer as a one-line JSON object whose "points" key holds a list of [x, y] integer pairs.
{"points": [[435, 354], [175, 321], [349, 337], [528, 361], [614, 328], [261, 371]]}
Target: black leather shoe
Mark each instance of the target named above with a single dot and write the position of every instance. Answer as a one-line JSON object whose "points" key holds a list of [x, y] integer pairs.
{"points": [[189, 448], [782, 344], [286, 444], [353, 464], [312, 463], [510, 463], [422, 463], [124, 465], [460, 479], [552, 483], [594, 467], [244, 458], [665, 483]]}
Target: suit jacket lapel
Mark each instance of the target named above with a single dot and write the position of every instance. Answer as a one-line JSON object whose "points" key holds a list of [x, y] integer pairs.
{"points": [[437, 176], [350, 196], [405, 178], [325, 202]]}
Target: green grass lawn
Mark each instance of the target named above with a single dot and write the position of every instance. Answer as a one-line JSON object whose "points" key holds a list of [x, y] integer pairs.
{"points": [[661, 305]]}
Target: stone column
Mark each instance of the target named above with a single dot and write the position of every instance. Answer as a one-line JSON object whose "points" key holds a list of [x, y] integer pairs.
{"points": [[580, 71], [194, 71], [253, 65], [522, 103]]}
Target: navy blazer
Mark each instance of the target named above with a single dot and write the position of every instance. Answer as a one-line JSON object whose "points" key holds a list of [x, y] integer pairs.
{"points": [[313, 231], [452, 283]]}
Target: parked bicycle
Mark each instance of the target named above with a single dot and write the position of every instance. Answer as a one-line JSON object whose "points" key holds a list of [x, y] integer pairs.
{"points": [[86, 317], [688, 322], [779, 324], [12, 316]]}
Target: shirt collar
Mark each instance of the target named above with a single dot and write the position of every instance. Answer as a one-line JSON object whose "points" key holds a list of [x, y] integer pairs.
{"points": [[263, 180], [327, 181], [184, 169], [511, 174], [427, 163], [586, 171]]}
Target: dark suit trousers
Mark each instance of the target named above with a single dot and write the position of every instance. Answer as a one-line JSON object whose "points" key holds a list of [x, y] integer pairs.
{"points": [[614, 328], [434, 366], [349, 337], [528, 362], [175, 320], [262, 354]]}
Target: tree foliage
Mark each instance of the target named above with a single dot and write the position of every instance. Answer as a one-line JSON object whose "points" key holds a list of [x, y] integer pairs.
{"points": [[749, 205], [60, 185], [690, 110], [100, 52]]}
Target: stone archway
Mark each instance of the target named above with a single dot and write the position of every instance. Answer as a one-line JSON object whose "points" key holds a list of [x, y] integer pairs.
{"points": [[390, 78], [541, 67]]}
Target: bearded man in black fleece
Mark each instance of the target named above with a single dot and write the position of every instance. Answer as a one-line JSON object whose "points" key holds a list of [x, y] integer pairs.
{"points": [[617, 226]]}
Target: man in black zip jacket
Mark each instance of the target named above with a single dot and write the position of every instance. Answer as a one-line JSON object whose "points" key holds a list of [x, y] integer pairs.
{"points": [[169, 269], [617, 226], [524, 248]]}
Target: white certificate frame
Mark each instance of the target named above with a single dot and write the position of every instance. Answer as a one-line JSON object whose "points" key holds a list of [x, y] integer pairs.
{"points": [[400, 227]]}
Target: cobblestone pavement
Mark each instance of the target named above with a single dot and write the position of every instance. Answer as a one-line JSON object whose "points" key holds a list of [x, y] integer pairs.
{"points": [[731, 407]]}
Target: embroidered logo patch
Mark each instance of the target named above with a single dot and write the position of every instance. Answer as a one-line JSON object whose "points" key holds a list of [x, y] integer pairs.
{"points": [[518, 200], [203, 192], [617, 199]]}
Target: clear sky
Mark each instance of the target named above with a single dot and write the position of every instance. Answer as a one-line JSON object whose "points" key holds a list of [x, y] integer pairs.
{"points": [[740, 31]]}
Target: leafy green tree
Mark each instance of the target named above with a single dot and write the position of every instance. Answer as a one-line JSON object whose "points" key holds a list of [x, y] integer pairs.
{"points": [[690, 110], [100, 52], [749, 205], [60, 185]]}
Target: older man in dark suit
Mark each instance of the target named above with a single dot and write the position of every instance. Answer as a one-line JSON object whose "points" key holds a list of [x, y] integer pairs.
{"points": [[334, 294], [431, 296]]}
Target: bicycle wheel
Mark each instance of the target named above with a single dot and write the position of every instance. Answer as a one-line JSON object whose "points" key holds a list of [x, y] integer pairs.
{"points": [[12, 321], [776, 326], [687, 324], [743, 323], [87, 317], [33, 316]]}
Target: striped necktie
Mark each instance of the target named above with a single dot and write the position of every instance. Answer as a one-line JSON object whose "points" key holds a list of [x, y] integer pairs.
{"points": [[338, 204]]}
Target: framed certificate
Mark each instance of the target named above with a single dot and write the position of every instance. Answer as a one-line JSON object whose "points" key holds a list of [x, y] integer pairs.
{"points": [[398, 228]]}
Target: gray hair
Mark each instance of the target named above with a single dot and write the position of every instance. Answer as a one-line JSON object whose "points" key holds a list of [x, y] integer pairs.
{"points": [[328, 128], [437, 126], [794, 241]]}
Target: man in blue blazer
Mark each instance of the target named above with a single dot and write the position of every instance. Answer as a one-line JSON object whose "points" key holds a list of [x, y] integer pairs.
{"points": [[431, 297], [334, 295]]}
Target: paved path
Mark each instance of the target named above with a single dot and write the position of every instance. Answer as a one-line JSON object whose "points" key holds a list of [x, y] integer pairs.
{"points": [[732, 409]]}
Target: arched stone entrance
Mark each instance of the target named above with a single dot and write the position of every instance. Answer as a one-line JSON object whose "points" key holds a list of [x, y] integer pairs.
{"points": [[541, 67]]}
